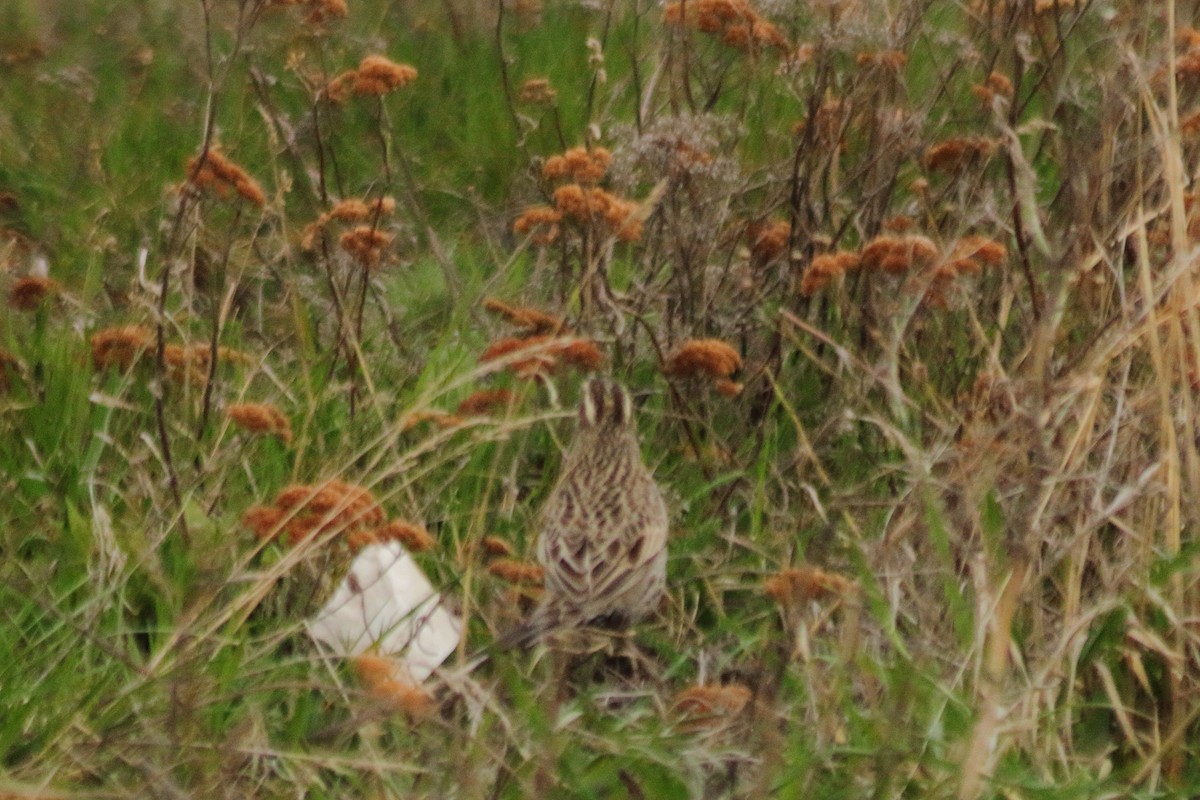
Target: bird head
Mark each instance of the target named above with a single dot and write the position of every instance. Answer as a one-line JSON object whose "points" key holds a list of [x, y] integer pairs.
{"points": [[605, 404]]}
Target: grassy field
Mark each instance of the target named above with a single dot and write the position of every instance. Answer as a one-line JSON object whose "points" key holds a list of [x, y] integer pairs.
{"points": [[905, 292]]}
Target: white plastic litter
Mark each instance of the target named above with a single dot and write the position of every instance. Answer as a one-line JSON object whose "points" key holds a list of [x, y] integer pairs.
{"points": [[387, 605]]}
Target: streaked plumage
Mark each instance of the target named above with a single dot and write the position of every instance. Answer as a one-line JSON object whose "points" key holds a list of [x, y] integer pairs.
{"points": [[603, 529]]}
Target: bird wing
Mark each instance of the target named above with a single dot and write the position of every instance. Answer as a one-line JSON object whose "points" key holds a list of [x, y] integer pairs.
{"points": [[593, 550]]}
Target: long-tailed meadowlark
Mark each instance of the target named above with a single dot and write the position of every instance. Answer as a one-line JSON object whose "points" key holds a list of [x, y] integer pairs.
{"points": [[603, 529]]}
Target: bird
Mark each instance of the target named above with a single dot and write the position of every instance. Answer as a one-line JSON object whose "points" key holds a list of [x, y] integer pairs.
{"points": [[602, 539]]}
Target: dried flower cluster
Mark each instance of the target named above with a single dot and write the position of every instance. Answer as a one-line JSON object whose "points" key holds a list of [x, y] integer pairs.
{"points": [[414, 537], [388, 684], [968, 257], [578, 164], [768, 240], [798, 585], [597, 207], [342, 511], [365, 243], [971, 253], [30, 292], [996, 85], [355, 210], [525, 579], [537, 92], [120, 346], [897, 255], [263, 418], [495, 547], [734, 22], [485, 401], [518, 573], [581, 200], [890, 60], [545, 354], [709, 705], [10, 366], [951, 155], [190, 363], [712, 359], [1189, 125], [213, 170], [541, 222], [443, 419], [318, 10], [375, 76], [824, 268], [532, 321]]}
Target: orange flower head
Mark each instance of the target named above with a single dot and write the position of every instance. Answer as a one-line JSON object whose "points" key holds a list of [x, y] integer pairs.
{"points": [[541, 361], [354, 210], [768, 241], [365, 244], [414, 537], [733, 21], [541, 221], [582, 353], [728, 388], [891, 60], [980, 248], [120, 346], [996, 85], [10, 367], [1189, 125], [951, 155], [824, 269], [261, 418], [897, 255], [30, 292], [708, 706], [265, 521], [442, 419], [766, 34], [797, 585], [578, 164], [537, 92], [213, 170], [571, 201], [327, 508], [338, 89], [388, 684], [737, 36], [495, 546], [378, 75], [485, 401], [547, 353], [517, 572], [532, 320], [325, 10], [711, 358]]}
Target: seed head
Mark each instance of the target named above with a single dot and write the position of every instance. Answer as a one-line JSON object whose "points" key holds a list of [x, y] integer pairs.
{"points": [[711, 358], [30, 292]]}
